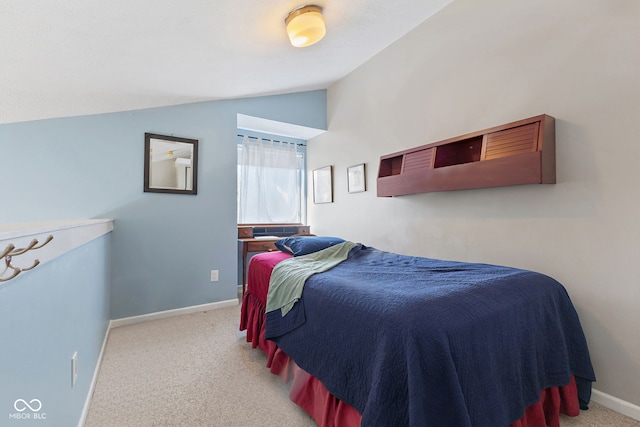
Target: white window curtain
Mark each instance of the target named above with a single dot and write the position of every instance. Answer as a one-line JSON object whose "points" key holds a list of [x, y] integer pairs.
{"points": [[270, 177]]}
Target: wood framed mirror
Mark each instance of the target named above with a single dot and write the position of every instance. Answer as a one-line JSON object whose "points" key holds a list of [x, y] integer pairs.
{"points": [[170, 164]]}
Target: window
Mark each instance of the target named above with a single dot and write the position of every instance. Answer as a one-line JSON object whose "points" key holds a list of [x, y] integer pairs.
{"points": [[271, 181]]}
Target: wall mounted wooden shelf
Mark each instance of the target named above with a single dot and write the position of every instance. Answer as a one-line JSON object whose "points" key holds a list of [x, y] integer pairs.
{"points": [[521, 152]]}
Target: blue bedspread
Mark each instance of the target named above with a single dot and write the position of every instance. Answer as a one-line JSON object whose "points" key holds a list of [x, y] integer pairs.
{"points": [[411, 341]]}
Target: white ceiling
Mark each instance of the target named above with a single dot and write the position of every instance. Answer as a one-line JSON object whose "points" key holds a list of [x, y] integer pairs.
{"points": [[75, 57]]}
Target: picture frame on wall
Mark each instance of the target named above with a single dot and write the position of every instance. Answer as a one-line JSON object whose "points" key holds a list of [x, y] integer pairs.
{"points": [[356, 178], [323, 185]]}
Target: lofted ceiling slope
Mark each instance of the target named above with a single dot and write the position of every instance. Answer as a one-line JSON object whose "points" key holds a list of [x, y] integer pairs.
{"points": [[75, 57]]}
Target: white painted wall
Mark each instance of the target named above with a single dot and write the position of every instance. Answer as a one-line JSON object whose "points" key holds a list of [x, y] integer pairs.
{"points": [[479, 64], [163, 174]]}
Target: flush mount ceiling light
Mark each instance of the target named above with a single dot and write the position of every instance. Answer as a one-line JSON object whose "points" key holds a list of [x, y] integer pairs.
{"points": [[305, 25]]}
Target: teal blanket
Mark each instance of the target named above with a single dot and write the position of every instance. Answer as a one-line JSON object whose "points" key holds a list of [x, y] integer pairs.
{"points": [[288, 276]]}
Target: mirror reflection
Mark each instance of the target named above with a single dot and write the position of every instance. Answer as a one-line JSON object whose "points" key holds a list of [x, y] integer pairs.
{"points": [[170, 164]]}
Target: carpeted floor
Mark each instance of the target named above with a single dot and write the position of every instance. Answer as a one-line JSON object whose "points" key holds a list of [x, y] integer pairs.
{"points": [[197, 370]]}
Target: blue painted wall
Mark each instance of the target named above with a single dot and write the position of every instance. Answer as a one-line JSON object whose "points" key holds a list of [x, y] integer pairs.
{"points": [[46, 315], [163, 245]]}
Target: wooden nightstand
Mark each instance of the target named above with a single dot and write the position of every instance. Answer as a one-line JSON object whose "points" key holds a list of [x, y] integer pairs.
{"points": [[261, 238], [254, 245]]}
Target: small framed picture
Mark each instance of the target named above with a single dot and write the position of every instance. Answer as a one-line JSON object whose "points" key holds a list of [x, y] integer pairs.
{"points": [[323, 185], [356, 178]]}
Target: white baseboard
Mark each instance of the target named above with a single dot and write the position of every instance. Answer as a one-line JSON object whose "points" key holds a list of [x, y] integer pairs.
{"points": [[94, 379], [138, 319], [618, 405], [170, 313]]}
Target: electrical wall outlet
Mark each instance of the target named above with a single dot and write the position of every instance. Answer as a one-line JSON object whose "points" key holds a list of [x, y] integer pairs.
{"points": [[214, 275], [74, 368]]}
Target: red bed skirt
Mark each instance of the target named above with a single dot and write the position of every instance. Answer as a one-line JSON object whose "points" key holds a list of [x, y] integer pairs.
{"points": [[328, 411]]}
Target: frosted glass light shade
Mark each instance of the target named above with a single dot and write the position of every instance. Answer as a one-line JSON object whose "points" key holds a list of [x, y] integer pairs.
{"points": [[305, 26]]}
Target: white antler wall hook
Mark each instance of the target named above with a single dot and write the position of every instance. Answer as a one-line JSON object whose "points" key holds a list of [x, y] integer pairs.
{"points": [[10, 251]]}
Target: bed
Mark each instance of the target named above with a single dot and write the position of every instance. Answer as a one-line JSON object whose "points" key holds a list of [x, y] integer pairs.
{"points": [[387, 339]]}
